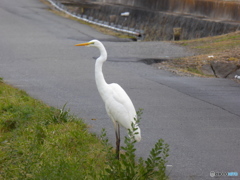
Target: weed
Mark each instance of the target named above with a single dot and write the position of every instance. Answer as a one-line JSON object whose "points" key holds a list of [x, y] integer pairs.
{"points": [[61, 115], [127, 167], [194, 70]]}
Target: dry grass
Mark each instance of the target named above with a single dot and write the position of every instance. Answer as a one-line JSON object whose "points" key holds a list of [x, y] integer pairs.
{"points": [[213, 44], [224, 48]]}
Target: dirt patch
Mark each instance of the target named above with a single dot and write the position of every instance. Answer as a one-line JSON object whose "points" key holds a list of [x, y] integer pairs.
{"points": [[224, 49]]}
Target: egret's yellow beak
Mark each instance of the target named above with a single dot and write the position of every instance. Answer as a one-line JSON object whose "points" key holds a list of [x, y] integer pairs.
{"points": [[84, 44]]}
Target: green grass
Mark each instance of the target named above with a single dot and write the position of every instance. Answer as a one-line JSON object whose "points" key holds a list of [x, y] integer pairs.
{"points": [[213, 44], [40, 142], [228, 37], [194, 70], [43, 143]]}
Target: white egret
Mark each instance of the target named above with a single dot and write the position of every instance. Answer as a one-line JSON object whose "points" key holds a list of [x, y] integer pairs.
{"points": [[118, 105]]}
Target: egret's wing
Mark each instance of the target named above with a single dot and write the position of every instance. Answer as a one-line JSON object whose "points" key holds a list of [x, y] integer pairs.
{"points": [[121, 96], [120, 107]]}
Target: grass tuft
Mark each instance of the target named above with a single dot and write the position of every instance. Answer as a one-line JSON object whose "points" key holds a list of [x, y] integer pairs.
{"points": [[128, 167]]}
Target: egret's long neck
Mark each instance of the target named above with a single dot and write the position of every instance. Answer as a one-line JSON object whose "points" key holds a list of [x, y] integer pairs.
{"points": [[100, 80]]}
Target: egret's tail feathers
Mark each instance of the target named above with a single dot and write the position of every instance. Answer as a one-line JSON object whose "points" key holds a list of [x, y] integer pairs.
{"points": [[137, 137]]}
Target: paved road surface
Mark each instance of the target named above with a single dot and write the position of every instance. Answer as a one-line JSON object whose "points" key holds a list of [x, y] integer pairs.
{"points": [[198, 117]]}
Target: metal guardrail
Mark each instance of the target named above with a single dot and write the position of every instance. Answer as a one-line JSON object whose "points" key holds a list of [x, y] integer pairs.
{"points": [[61, 7]]}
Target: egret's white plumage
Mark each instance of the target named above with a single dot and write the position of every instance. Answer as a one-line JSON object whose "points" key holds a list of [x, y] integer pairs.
{"points": [[118, 105]]}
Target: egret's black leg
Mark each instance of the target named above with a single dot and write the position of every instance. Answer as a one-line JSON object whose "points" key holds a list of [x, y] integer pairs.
{"points": [[117, 141]]}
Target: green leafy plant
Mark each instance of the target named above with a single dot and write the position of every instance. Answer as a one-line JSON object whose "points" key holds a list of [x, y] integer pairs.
{"points": [[1, 80], [127, 167], [61, 115]]}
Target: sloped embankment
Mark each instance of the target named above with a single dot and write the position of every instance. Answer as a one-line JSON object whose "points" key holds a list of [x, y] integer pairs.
{"points": [[167, 19], [217, 56]]}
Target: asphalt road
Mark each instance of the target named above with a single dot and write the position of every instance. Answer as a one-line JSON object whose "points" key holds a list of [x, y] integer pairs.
{"points": [[198, 117]]}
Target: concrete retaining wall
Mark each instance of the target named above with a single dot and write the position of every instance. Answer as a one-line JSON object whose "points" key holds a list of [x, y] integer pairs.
{"points": [[158, 25], [217, 9]]}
